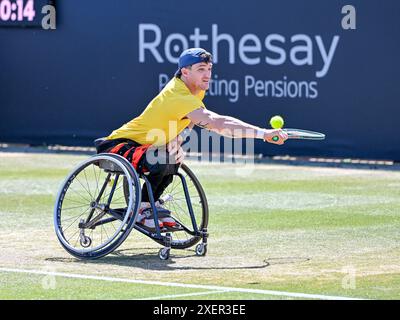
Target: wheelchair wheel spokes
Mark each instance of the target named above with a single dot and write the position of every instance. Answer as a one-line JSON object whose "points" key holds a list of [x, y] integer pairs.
{"points": [[177, 204], [91, 214]]}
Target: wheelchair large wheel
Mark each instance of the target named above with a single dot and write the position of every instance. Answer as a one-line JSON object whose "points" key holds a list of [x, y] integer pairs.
{"points": [[94, 211], [173, 198], [175, 201]]}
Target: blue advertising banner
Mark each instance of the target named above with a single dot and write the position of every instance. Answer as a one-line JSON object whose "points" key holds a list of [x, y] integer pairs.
{"points": [[328, 66]]}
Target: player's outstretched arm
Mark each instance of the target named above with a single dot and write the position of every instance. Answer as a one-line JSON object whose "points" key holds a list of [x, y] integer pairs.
{"points": [[232, 127]]}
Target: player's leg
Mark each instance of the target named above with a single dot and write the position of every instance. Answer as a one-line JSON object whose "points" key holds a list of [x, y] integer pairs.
{"points": [[160, 169], [160, 175]]}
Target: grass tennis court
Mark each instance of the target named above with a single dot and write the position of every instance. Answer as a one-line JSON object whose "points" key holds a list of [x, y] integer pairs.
{"points": [[293, 229]]}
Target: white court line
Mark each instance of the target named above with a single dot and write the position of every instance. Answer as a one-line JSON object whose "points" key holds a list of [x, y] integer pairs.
{"points": [[182, 285], [184, 295]]}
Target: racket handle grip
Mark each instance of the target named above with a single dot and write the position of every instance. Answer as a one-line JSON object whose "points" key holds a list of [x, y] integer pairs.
{"points": [[275, 138]]}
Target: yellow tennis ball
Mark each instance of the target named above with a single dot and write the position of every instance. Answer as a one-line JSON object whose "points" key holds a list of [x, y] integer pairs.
{"points": [[276, 122]]}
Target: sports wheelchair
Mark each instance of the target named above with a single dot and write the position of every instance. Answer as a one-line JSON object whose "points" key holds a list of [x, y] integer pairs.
{"points": [[97, 205]]}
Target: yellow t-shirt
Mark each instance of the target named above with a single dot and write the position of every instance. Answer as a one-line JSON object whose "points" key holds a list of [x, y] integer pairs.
{"points": [[163, 118]]}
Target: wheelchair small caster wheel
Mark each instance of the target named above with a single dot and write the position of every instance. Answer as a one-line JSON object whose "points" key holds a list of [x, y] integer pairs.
{"points": [[163, 254], [201, 249], [85, 242]]}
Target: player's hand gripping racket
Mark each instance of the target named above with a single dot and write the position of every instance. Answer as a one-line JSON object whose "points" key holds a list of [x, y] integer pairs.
{"points": [[301, 134]]}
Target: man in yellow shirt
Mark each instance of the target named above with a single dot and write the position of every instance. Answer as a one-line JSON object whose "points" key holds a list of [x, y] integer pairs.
{"points": [[178, 106]]}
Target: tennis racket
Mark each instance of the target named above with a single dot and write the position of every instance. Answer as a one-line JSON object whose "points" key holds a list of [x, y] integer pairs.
{"points": [[301, 134]]}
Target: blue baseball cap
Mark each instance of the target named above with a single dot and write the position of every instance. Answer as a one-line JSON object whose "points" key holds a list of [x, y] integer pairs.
{"points": [[192, 56]]}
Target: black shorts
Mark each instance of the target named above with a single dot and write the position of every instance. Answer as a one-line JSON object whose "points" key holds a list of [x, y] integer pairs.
{"points": [[130, 150], [135, 153]]}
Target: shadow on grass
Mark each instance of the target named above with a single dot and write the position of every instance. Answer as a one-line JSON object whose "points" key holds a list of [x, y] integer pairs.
{"points": [[151, 261]]}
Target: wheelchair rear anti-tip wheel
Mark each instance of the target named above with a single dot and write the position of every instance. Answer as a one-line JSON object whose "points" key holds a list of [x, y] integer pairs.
{"points": [[96, 206]]}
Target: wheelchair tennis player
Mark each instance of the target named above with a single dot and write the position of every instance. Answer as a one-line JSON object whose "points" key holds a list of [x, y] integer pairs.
{"points": [[180, 103]]}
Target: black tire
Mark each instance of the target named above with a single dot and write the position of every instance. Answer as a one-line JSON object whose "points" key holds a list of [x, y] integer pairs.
{"points": [[201, 249], [164, 253], [80, 197]]}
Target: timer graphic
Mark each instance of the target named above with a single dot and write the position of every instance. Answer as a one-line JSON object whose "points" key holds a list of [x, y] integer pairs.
{"points": [[18, 10]]}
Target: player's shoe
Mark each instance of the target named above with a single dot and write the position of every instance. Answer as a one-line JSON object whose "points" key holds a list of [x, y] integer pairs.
{"points": [[145, 218], [165, 216]]}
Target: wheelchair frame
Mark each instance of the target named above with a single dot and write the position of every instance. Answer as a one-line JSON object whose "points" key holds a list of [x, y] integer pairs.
{"points": [[115, 214]]}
